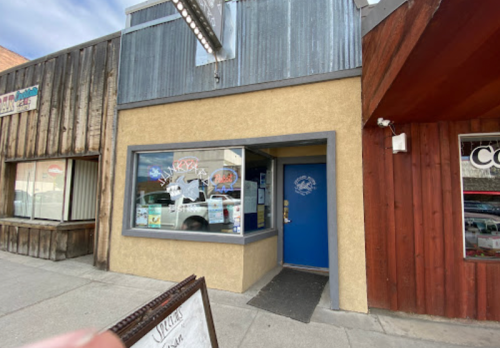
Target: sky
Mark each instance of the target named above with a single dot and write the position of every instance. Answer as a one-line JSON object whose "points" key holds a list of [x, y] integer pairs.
{"points": [[35, 28]]}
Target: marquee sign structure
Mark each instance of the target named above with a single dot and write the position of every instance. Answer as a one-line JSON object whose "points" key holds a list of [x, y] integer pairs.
{"points": [[205, 18]]}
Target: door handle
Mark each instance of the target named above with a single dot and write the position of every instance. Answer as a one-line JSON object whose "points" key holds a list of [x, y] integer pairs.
{"points": [[286, 221]]}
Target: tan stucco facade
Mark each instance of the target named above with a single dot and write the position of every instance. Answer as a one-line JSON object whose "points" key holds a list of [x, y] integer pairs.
{"points": [[326, 106]]}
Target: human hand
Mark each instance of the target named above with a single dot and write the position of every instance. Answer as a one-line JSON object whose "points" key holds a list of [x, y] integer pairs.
{"points": [[81, 339]]}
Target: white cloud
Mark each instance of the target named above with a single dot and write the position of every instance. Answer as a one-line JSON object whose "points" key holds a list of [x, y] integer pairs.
{"points": [[34, 28]]}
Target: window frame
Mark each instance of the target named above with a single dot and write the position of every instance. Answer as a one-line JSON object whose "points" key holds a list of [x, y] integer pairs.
{"points": [[68, 187], [131, 223], [129, 230], [465, 137]]}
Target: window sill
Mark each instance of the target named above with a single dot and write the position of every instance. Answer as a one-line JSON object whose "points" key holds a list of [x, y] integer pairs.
{"points": [[239, 239], [47, 225], [479, 260]]}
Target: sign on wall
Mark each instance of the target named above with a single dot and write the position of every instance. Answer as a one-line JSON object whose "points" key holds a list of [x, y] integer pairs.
{"points": [[484, 157], [205, 19], [19, 101]]}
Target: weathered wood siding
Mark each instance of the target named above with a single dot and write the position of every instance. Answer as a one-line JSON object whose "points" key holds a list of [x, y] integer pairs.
{"points": [[77, 103], [47, 242], [413, 224]]}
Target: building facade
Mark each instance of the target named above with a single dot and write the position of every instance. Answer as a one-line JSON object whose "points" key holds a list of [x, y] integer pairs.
{"points": [[431, 213], [56, 152], [230, 165]]}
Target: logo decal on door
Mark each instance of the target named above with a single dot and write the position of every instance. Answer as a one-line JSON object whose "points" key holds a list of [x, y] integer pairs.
{"points": [[304, 185]]}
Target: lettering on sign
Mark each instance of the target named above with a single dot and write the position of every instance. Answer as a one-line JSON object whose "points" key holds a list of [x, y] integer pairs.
{"points": [[212, 9], [178, 318], [224, 179], [19, 101], [185, 327], [484, 157], [184, 165]]}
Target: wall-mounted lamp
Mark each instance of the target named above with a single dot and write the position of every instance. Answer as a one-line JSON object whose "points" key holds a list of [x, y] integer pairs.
{"points": [[205, 19], [399, 143]]}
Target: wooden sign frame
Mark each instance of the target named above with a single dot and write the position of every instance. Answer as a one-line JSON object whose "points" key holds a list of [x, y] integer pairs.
{"points": [[147, 318]]}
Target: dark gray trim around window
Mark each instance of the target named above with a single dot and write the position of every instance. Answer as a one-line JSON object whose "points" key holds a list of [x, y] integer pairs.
{"points": [[327, 138]]}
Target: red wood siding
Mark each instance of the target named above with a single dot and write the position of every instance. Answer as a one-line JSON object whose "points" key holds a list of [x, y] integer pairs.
{"points": [[413, 224]]}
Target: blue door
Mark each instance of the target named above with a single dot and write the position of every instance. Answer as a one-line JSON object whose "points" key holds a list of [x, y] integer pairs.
{"points": [[305, 225]]}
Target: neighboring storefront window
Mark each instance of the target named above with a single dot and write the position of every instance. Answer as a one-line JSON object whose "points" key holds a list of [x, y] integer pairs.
{"points": [[43, 190], [200, 191], [480, 166]]}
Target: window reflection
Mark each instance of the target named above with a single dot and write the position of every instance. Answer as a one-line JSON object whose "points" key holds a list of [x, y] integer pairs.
{"points": [[189, 190]]}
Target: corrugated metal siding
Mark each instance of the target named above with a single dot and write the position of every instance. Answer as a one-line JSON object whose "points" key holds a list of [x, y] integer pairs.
{"points": [[276, 40], [152, 13], [84, 201]]}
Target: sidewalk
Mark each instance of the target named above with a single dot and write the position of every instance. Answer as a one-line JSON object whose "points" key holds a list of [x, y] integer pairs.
{"points": [[41, 298]]}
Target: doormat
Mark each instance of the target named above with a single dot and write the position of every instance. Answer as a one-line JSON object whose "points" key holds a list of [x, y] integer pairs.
{"points": [[294, 294]]}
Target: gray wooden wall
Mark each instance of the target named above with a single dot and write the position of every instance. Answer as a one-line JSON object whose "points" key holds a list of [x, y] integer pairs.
{"points": [[77, 102]]}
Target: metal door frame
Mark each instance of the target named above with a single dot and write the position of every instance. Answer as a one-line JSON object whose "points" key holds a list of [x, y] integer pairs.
{"points": [[329, 160], [281, 228]]}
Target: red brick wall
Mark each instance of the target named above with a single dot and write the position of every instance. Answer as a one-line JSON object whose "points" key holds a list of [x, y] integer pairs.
{"points": [[8, 59]]}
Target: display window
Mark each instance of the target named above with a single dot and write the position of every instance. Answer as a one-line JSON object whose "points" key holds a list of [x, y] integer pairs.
{"points": [[225, 190], [60, 190], [480, 170]]}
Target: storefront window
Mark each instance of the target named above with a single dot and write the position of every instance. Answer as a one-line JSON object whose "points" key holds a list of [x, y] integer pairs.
{"points": [[189, 190], [480, 166], [202, 191], [258, 192], [43, 190]]}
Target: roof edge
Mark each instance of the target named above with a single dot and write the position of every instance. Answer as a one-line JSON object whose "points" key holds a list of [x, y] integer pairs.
{"points": [[63, 51]]}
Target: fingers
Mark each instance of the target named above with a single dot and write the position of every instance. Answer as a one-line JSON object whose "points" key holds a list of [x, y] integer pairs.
{"points": [[81, 339]]}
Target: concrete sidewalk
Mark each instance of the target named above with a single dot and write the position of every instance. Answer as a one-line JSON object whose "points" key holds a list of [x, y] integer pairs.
{"points": [[41, 298]]}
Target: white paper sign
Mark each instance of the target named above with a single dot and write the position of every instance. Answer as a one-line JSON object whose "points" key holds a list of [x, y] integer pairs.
{"points": [[19, 101], [185, 327], [250, 204]]}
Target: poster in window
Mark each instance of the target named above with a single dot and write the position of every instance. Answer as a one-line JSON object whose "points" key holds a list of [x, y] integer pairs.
{"points": [[215, 211], [250, 204], [260, 216], [141, 216], [261, 199], [262, 180], [237, 218], [154, 218]]}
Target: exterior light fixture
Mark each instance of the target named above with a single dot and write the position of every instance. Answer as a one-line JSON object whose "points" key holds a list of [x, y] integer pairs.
{"points": [[205, 18]]}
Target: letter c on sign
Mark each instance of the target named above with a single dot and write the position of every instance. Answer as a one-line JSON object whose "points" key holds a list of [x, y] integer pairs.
{"points": [[482, 157]]}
